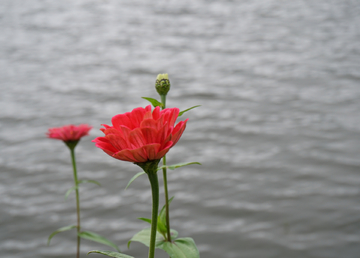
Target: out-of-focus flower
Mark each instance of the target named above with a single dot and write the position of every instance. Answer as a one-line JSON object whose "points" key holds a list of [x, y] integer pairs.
{"points": [[141, 135], [69, 133]]}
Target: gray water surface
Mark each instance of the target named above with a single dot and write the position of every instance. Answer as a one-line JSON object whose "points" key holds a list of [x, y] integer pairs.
{"points": [[277, 133]]}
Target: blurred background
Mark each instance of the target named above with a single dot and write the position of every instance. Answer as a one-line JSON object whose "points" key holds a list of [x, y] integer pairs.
{"points": [[277, 132]]}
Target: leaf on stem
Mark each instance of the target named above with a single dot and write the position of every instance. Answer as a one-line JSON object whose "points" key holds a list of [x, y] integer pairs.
{"points": [[146, 220], [144, 237], [154, 102], [172, 167], [89, 181], [60, 230], [134, 177], [111, 254], [161, 225], [97, 238], [69, 191], [181, 248], [186, 110]]}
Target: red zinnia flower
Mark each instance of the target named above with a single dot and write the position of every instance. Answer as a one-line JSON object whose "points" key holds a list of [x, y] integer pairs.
{"points": [[69, 132], [141, 135]]}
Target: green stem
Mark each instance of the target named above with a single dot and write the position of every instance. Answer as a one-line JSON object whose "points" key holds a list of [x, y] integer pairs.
{"points": [[166, 201], [77, 200], [155, 207], [163, 101]]}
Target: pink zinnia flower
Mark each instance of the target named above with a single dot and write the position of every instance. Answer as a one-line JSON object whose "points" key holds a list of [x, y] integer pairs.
{"points": [[141, 135], [69, 132]]}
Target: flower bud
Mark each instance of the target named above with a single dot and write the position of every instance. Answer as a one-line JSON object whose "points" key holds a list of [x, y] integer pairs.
{"points": [[162, 84]]}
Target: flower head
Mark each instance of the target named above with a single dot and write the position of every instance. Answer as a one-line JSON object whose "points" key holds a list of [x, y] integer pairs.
{"points": [[141, 135], [69, 133], [162, 84]]}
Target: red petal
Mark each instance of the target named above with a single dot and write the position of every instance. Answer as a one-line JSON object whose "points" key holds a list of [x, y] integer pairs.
{"points": [[106, 126], [147, 115], [178, 131], [151, 123], [125, 155], [125, 131], [118, 142], [163, 133], [156, 113], [148, 108], [121, 119], [103, 143], [150, 134], [152, 150], [136, 116], [162, 153], [136, 138], [139, 155], [174, 115], [112, 131]]}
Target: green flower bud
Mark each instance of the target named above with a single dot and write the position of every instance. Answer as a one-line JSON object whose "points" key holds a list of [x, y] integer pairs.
{"points": [[162, 84]]}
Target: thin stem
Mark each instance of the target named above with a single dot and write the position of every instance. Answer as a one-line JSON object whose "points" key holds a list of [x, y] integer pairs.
{"points": [[163, 101], [155, 207], [77, 200], [166, 201]]}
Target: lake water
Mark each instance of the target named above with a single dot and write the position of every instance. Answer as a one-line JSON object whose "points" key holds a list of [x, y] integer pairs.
{"points": [[277, 133]]}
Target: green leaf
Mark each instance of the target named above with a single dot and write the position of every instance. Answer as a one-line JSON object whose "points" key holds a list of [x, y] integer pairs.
{"points": [[144, 237], [154, 102], [111, 254], [181, 248], [146, 220], [134, 177], [97, 238], [161, 226], [89, 181], [69, 191], [186, 110], [60, 230], [172, 167]]}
